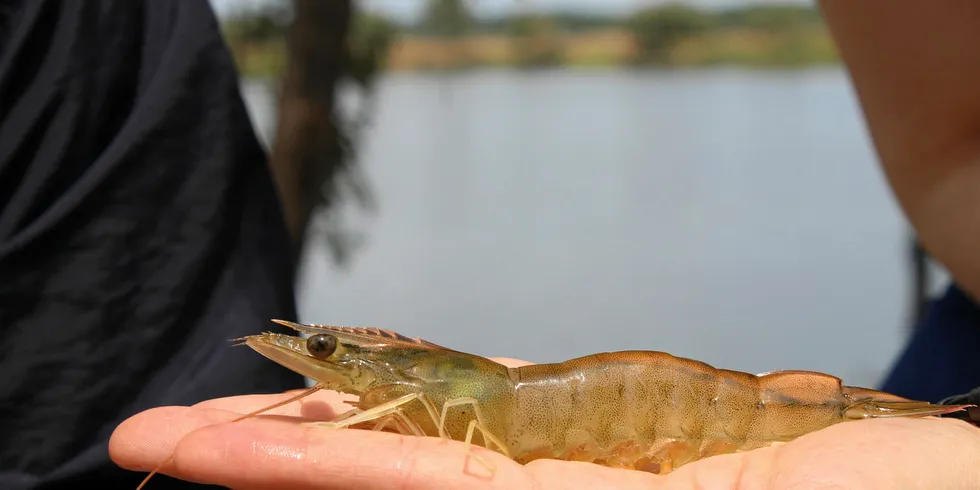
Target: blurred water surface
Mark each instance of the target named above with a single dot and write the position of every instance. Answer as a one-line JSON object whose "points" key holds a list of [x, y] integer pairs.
{"points": [[736, 217]]}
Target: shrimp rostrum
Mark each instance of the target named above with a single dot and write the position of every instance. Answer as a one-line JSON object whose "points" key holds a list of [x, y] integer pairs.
{"points": [[632, 409]]}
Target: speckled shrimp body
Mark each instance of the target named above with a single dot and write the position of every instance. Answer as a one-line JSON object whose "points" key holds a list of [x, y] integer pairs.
{"points": [[634, 409]]}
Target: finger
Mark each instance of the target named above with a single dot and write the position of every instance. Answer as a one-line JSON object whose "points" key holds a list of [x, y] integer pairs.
{"points": [[278, 453], [510, 362], [738, 471], [884, 453], [268, 454], [553, 474], [148, 438], [165, 426]]}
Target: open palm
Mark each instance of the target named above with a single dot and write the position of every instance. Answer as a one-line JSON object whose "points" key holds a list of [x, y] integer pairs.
{"points": [[275, 451]]}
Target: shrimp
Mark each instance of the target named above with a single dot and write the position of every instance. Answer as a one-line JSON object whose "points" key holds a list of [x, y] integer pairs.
{"points": [[639, 410]]}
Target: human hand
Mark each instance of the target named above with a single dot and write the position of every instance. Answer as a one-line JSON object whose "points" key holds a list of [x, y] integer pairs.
{"points": [[274, 451]]}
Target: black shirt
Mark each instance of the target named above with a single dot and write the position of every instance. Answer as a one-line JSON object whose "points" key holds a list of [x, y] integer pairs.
{"points": [[139, 231]]}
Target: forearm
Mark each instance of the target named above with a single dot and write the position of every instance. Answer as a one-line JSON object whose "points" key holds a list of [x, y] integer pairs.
{"points": [[947, 219], [916, 69]]}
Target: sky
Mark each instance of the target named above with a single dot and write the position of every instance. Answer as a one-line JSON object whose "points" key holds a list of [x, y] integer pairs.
{"points": [[409, 9]]}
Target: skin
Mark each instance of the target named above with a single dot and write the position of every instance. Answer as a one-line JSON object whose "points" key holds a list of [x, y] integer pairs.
{"points": [[631, 409], [916, 69], [274, 451]]}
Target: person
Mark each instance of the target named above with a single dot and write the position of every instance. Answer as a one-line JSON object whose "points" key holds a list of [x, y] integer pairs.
{"points": [[915, 71], [277, 453], [916, 74], [139, 231]]}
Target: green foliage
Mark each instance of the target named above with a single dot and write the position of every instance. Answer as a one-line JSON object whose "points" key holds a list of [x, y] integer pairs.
{"points": [[567, 22], [536, 40], [370, 39], [770, 18], [267, 23], [657, 30], [667, 34], [572, 22], [254, 29], [447, 18], [524, 25]]}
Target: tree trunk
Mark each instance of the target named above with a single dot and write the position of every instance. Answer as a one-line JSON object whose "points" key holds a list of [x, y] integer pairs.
{"points": [[308, 150]]}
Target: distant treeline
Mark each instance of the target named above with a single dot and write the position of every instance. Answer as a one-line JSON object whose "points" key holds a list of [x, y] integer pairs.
{"points": [[444, 13], [448, 36]]}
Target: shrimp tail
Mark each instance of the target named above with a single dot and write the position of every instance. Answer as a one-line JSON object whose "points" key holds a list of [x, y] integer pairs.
{"points": [[972, 413], [876, 404]]}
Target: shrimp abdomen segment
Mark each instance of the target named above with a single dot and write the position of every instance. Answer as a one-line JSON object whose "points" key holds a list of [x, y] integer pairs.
{"points": [[637, 403], [793, 403], [629, 408]]}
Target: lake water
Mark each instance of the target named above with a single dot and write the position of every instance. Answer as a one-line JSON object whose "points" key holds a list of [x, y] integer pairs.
{"points": [[736, 217]]}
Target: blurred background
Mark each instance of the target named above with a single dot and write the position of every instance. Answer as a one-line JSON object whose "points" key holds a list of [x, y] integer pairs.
{"points": [[546, 179]]}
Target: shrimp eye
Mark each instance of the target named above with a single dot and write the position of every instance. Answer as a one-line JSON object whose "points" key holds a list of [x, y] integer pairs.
{"points": [[321, 346]]}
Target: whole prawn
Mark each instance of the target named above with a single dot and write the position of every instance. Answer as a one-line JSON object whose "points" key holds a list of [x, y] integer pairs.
{"points": [[633, 409]]}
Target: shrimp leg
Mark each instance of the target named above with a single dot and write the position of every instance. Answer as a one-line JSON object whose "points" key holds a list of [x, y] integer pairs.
{"points": [[399, 418], [395, 420], [378, 413], [385, 412], [477, 423]]}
